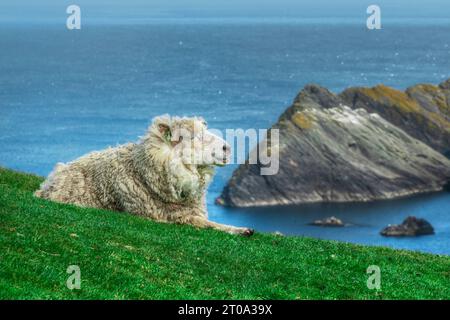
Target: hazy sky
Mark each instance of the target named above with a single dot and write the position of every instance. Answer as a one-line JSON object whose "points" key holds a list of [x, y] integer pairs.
{"points": [[51, 9]]}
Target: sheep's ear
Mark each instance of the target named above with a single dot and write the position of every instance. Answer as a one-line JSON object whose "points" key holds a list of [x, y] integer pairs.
{"points": [[164, 129]]}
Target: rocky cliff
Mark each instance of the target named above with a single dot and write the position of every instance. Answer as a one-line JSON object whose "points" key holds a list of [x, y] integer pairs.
{"points": [[423, 111], [333, 150]]}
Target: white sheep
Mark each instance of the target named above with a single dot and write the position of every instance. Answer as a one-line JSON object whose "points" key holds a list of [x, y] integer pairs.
{"points": [[164, 176]]}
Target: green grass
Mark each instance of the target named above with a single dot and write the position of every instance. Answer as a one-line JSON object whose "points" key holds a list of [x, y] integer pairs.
{"points": [[126, 257]]}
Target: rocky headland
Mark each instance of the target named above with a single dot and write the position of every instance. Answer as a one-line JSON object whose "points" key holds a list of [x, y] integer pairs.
{"points": [[361, 145]]}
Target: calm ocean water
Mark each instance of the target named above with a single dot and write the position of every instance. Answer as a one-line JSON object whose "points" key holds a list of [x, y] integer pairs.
{"points": [[65, 93]]}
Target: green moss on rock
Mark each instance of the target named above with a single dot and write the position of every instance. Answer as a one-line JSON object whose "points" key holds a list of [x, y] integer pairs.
{"points": [[302, 120], [396, 98]]}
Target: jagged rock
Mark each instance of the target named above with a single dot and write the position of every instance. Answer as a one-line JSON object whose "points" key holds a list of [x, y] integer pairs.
{"points": [[412, 226], [328, 222], [329, 152], [423, 111]]}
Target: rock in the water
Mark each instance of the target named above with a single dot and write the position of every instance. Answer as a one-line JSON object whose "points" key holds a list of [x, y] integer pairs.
{"points": [[412, 226], [328, 222], [219, 201], [329, 152], [423, 111]]}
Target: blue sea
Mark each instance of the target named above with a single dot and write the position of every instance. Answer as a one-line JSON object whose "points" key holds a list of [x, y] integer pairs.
{"points": [[65, 93]]}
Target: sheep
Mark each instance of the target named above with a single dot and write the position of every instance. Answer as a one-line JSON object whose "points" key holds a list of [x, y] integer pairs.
{"points": [[164, 176]]}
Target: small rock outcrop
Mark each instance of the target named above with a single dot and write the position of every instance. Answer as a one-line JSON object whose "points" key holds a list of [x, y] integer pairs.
{"points": [[411, 227], [330, 152], [328, 222]]}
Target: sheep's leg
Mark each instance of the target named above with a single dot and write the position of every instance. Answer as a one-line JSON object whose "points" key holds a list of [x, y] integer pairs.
{"points": [[201, 222]]}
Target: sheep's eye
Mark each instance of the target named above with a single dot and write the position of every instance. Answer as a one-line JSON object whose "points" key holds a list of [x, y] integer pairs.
{"points": [[180, 139]]}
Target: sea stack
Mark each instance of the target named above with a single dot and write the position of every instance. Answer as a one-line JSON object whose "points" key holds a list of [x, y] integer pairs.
{"points": [[333, 151]]}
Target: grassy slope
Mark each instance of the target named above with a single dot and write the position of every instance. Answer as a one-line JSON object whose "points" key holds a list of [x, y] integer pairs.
{"points": [[123, 256]]}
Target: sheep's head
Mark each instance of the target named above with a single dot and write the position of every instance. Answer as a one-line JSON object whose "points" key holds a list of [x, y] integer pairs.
{"points": [[188, 140], [182, 154]]}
